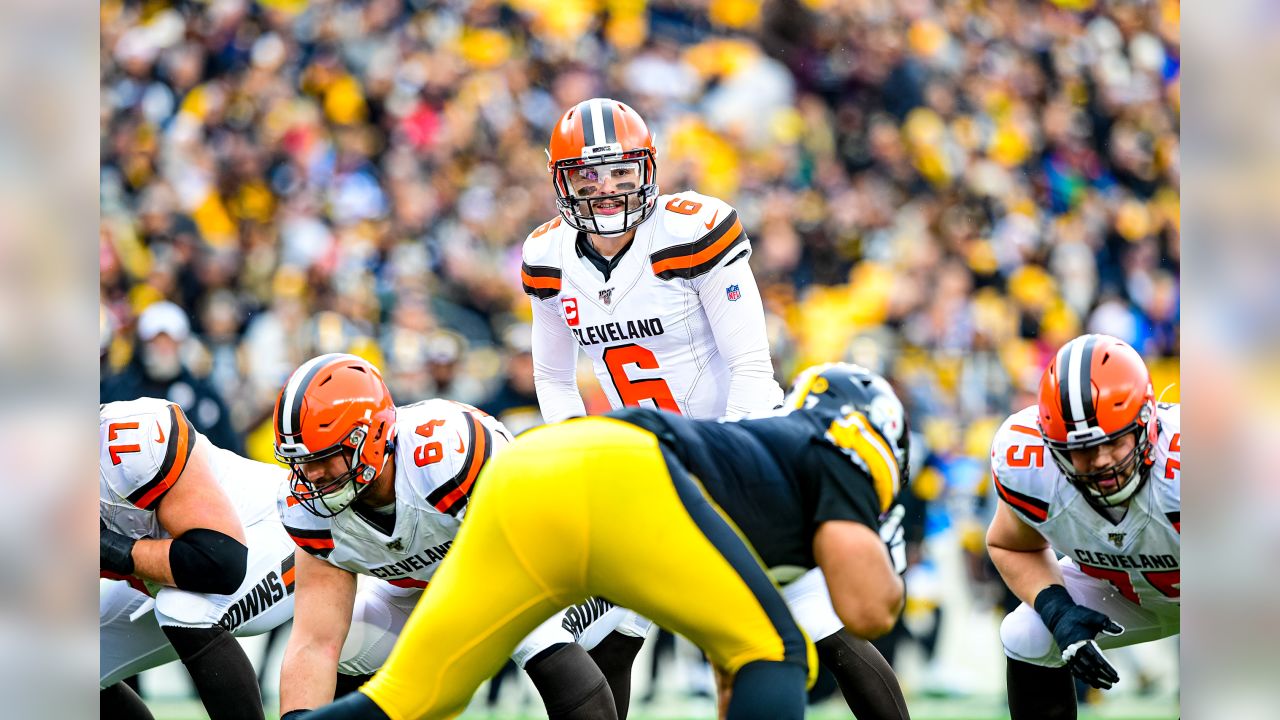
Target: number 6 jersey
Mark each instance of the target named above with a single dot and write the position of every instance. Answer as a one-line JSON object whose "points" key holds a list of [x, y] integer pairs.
{"points": [[673, 322], [1139, 554]]}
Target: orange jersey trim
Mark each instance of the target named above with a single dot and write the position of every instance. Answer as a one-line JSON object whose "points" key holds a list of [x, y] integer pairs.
{"points": [[1037, 510], [688, 262], [177, 451], [451, 496]]}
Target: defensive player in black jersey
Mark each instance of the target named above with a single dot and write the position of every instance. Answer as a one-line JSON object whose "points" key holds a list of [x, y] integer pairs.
{"points": [[681, 520]]}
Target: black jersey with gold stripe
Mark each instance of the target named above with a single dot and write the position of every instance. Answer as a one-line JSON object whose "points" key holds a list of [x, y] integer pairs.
{"points": [[775, 477]]}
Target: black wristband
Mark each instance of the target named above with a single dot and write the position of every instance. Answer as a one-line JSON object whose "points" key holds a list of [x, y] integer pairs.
{"points": [[115, 551], [1052, 603], [295, 714]]}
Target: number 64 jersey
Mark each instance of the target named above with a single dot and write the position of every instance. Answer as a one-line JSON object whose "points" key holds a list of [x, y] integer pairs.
{"points": [[440, 448], [676, 323], [1139, 555]]}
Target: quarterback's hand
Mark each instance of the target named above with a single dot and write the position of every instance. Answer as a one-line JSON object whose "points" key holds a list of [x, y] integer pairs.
{"points": [[894, 538], [1074, 627], [115, 551]]}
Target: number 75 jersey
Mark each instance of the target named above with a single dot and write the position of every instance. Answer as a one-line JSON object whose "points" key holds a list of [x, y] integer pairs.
{"points": [[663, 329], [1140, 553]]}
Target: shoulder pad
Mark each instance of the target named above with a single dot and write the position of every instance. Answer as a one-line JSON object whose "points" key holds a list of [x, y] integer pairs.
{"points": [[443, 445], [308, 531], [145, 445], [695, 234], [540, 261], [1021, 468]]}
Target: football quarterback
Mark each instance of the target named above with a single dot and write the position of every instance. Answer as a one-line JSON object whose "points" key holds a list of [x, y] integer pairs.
{"points": [[658, 292]]}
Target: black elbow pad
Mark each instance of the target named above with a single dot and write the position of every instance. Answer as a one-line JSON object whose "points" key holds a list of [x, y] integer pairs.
{"points": [[207, 561]]}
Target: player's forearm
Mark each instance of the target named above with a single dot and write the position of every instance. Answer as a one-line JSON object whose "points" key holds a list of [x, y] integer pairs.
{"points": [[308, 676], [558, 398], [151, 561], [1026, 572], [201, 560]]}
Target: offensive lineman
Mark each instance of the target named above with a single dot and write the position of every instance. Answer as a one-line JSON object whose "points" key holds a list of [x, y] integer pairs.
{"points": [[380, 491], [1109, 500], [568, 511], [657, 290], [196, 524]]}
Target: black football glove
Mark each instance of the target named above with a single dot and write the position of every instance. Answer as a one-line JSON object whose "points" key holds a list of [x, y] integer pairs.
{"points": [[115, 551], [894, 538], [1074, 627]]}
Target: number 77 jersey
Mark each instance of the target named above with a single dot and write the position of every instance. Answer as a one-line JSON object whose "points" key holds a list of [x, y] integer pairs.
{"points": [[675, 309], [1140, 553]]}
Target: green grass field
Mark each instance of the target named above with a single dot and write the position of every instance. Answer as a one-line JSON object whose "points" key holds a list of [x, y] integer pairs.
{"points": [[921, 709]]}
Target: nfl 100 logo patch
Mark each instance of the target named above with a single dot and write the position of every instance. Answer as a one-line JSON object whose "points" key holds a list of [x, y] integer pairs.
{"points": [[733, 292]]}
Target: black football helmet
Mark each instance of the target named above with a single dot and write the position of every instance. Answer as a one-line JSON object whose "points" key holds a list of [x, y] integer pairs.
{"points": [[863, 418]]}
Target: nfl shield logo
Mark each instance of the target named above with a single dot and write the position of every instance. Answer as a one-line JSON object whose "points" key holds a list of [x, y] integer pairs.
{"points": [[1117, 538], [733, 292], [606, 295]]}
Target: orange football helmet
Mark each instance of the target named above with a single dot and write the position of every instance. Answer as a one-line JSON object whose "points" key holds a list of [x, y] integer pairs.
{"points": [[1096, 390], [599, 136], [331, 404]]}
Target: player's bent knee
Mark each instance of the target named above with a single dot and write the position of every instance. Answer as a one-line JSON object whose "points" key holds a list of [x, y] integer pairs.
{"points": [[866, 620], [1026, 638]]}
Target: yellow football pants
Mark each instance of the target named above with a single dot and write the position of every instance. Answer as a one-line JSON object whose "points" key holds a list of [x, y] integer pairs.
{"points": [[568, 511]]}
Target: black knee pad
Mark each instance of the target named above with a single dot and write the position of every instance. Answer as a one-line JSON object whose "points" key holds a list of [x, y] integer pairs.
{"points": [[571, 684]]}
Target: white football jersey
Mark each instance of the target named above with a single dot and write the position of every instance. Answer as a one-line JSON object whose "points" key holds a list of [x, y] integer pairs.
{"points": [[1140, 554], [143, 448], [664, 328], [440, 447]]}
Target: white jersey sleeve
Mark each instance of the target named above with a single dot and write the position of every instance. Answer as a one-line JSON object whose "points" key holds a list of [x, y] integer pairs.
{"points": [[732, 302], [716, 265], [143, 449], [1023, 472], [555, 352], [1166, 468]]}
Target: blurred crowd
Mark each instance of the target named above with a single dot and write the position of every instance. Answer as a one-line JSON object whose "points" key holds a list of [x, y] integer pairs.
{"points": [[943, 190]]}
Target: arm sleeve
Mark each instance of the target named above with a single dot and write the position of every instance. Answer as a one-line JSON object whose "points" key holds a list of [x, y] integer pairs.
{"points": [[739, 330], [555, 356]]}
